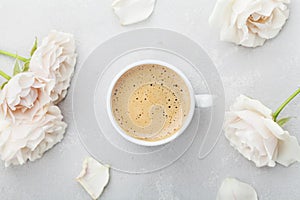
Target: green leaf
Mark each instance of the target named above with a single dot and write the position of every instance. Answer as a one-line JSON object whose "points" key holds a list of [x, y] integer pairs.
{"points": [[33, 49], [26, 66], [17, 68], [3, 84], [283, 121]]}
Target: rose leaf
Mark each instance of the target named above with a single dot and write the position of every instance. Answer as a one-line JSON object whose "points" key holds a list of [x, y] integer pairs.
{"points": [[26, 66], [33, 49], [17, 68], [283, 121]]}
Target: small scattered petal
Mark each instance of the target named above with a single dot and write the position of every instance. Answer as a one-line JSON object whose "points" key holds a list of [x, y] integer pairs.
{"points": [[93, 177], [133, 11], [232, 189]]}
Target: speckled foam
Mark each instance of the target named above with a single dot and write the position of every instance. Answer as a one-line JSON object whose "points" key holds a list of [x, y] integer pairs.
{"points": [[150, 102]]}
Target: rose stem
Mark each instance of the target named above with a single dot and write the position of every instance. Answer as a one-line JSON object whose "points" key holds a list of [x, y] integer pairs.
{"points": [[13, 55], [4, 75], [281, 107]]}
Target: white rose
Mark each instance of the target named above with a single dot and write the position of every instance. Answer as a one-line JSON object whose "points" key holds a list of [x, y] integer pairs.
{"points": [[249, 22], [28, 140], [24, 95], [55, 59], [29, 123], [250, 128]]}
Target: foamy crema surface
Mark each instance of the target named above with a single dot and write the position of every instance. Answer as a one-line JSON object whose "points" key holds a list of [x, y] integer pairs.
{"points": [[150, 102]]}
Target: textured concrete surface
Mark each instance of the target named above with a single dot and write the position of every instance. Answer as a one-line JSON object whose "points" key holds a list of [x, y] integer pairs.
{"points": [[269, 73]]}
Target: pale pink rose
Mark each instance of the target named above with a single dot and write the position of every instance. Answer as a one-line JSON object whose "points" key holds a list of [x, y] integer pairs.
{"points": [[55, 59], [24, 95], [21, 141], [29, 123]]}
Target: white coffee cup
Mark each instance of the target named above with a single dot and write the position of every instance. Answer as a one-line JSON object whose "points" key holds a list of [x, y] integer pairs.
{"points": [[200, 101]]}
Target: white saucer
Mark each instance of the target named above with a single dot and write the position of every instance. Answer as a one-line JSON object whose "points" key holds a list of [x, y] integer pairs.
{"points": [[91, 85]]}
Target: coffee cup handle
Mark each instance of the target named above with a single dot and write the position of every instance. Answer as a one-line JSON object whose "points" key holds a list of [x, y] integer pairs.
{"points": [[203, 100]]}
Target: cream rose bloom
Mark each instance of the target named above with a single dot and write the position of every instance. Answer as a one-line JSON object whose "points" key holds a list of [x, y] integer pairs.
{"points": [[250, 129], [55, 59], [249, 22], [29, 123], [28, 140], [24, 95]]}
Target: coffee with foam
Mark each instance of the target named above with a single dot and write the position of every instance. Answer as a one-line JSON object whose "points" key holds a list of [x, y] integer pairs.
{"points": [[150, 102]]}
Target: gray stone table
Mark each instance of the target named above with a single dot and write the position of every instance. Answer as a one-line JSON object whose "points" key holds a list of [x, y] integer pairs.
{"points": [[269, 73]]}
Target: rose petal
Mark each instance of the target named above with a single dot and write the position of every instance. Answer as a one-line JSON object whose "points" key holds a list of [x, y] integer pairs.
{"points": [[232, 189], [133, 11], [245, 103], [93, 177], [256, 121], [288, 150]]}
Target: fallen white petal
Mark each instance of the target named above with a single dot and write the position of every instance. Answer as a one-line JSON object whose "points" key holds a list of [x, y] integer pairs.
{"points": [[93, 177], [237, 190], [133, 11]]}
